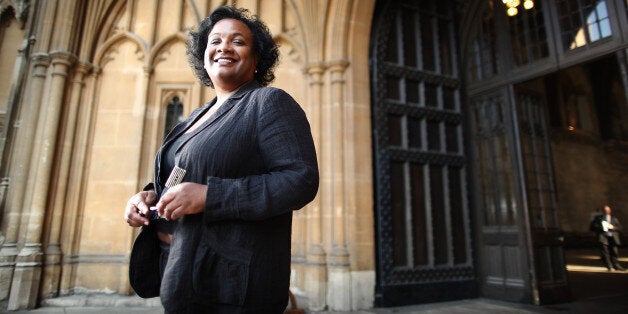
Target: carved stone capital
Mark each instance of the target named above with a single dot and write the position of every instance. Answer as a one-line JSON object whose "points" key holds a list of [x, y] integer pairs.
{"points": [[338, 66], [83, 67], [315, 71], [40, 59], [337, 69], [61, 62], [63, 57], [314, 68], [96, 70]]}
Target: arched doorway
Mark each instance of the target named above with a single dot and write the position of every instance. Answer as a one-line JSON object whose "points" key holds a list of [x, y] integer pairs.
{"points": [[523, 99], [512, 102]]}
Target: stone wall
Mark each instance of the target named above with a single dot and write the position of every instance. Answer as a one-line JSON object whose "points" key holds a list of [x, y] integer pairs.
{"points": [[589, 173]]}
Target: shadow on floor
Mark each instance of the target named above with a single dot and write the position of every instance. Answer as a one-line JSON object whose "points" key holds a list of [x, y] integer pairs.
{"points": [[593, 288]]}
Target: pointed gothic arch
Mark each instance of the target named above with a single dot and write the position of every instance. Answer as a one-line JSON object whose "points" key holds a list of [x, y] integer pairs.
{"points": [[100, 57], [163, 44]]}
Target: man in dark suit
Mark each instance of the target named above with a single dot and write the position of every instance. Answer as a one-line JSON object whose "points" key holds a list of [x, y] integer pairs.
{"points": [[608, 230]]}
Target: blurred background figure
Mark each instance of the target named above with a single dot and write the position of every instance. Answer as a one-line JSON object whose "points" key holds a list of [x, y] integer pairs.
{"points": [[608, 230]]}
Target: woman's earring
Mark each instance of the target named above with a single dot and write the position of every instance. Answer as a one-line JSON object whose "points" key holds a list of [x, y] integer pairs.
{"points": [[256, 71]]}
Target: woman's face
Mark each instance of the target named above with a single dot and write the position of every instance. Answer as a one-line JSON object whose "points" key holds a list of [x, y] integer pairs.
{"points": [[229, 57]]}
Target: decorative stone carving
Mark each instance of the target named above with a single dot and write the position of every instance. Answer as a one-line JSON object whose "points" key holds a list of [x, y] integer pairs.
{"points": [[19, 6]]}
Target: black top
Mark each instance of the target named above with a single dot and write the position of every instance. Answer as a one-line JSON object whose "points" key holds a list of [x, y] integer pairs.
{"points": [[169, 162], [170, 153]]}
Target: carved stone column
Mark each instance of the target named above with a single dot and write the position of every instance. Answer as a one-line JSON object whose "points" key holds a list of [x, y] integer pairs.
{"points": [[300, 223], [339, 287], [150, 128], [13, 105], [316, 272], [19, 165], [72, 215], [53, 253], [27, 277]]}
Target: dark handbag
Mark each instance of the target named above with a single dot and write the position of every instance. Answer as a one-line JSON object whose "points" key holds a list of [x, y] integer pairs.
{"points": [[144, 272]]}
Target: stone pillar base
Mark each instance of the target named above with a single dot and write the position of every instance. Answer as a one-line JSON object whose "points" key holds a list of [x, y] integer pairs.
{"points": [[350, 290], [26, 277], [7, 265], [51, 272], [339, 289], [315, 287], [316, 279], [362, 289]]}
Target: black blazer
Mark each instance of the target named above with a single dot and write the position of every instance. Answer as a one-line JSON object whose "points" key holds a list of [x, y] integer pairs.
{"points": [[596, 226], [257, 157]]}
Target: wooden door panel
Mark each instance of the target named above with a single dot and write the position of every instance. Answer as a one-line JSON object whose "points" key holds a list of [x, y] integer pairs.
{"points": [[423, 225], [540, 193], [504, 266]]}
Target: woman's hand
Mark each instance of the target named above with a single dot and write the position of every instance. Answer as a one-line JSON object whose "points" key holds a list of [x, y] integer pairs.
{"points": [[183, 199], [137, 208]]}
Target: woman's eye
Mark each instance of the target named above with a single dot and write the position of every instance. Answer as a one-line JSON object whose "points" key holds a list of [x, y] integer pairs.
{"points": [[238, 42], [214, 42]]}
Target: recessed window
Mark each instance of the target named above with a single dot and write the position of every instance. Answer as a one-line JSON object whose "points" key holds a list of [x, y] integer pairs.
{"points": [[483, 56], [583, 22], [528, 35], [174, 114]]}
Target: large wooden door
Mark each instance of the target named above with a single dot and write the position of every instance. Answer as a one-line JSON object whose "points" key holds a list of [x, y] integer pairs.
{"points": [[519, 238], [540, 198], [501, 220], [423, 234]]}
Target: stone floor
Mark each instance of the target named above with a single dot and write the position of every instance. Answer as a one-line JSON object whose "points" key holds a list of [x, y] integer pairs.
{"points": [[594, 290]]}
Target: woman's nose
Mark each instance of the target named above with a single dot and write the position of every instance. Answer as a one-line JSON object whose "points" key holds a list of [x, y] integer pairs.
{"points": [[225, 46]]}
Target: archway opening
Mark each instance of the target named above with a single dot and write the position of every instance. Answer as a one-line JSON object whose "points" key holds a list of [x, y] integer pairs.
{"points": [[587, 140], [547, 101]]}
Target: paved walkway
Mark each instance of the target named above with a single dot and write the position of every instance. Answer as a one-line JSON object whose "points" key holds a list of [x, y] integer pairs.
{"points": [[594, 290], [464, 306]]}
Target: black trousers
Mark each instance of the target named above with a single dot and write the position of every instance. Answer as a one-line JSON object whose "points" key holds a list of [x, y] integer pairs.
{"points": [[195, 308], [608, 252]]}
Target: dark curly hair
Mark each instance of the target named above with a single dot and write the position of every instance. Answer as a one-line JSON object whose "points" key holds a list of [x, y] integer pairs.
{"points": [[263, 44]]}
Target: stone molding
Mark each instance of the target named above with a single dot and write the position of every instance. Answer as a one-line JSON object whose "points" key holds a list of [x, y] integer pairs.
{"points": [[40, 60], [338, 65], [20, 6], [82, 68], [62, 56]]}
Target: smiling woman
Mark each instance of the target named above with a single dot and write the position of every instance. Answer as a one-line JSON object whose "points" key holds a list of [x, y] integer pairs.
{"points": [[248, 160], [229, 59], [263, 45]]}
